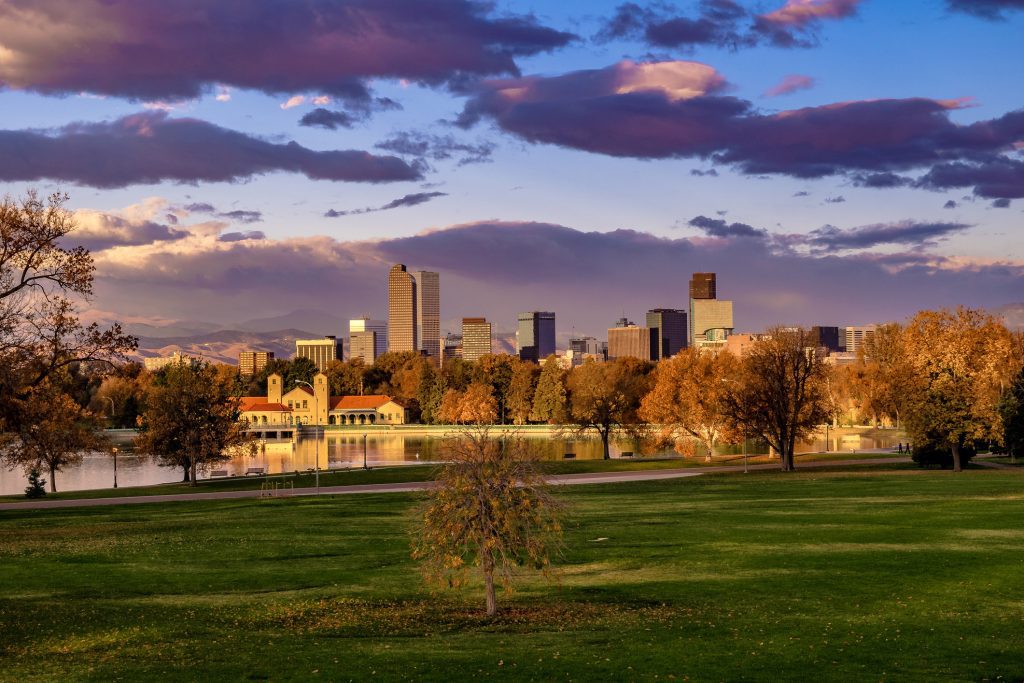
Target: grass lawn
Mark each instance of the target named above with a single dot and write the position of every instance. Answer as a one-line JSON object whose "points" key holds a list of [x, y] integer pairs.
{"points": [[888, 575], [406, 473]]}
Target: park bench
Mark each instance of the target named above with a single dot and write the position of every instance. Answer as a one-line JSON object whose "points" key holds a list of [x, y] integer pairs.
{"points": [[569, 456], [254, 470], [219, 473], [626, 454]]}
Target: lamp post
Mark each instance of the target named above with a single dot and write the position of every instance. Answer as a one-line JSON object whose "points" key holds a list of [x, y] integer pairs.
{"points": [[114, 452], [364, 452], [316, 435]]}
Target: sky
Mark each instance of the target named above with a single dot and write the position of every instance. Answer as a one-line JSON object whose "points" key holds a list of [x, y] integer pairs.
{"points": [[836, 162]]}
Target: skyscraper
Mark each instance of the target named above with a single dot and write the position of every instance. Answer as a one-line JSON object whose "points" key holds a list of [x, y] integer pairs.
{"points": [[855, 336], [402, 318], [827, 337], [669, 328], [703, 286], [476, 338], [367, 331], [320, 351], [535, 335], [253, 362], [710, 317], [428, 312], [632, 341]]}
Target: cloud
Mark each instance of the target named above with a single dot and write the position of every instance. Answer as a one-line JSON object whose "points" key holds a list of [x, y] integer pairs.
{"points": [[950, 204], [151, 147], [675, 110], [831, 238], [835, 200], [881, 180], [293, 101], [1001, 204], [355, 112], [802, 193], [714, 227], [241, 236], [98, 230], [710, 172], [153, 49], [408, 200], [243, 216], [993, 10], [993, 177], [437, 147], [724, 23], [790, 84], [498, 268], [325, 118]]}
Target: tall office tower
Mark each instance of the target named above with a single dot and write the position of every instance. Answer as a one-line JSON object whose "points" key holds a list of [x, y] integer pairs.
{"points": [[476, 338], [827, 337], [380, 341], [402, 328], [535, 335], [632, 341], [428, 311], [363, 345], [253, 362], [670, 330], [855, 336], [703, 286], [320, 351], [449, 347], [712, 320]]}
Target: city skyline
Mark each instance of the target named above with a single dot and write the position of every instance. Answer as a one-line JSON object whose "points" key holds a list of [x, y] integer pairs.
{"points": [[253, 188]]}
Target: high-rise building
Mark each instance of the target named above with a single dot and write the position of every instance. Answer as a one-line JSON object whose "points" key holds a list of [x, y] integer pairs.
{"points": [[703, 286], [253, 362], [826, 337], [476, 338], [855, 337], [670, 331], [632, 341], [402, 318], [320, 351], [450, 346], [588, 346], [428, 311], [363, 328], [712, 320], [535, 335]]}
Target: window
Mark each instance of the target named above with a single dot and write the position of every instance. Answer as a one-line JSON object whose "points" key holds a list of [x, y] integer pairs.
{"points": [[289, 404], [305, 405]]}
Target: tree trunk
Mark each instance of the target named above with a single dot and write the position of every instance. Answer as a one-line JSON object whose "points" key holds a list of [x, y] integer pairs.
{"points": [[193, 482], [711, 450], [53, 480], [956, 458], [492, 602], [605, 435]]}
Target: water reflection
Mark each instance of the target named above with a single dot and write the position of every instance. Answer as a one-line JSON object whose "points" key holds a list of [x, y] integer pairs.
{"points": [[340, 450]]}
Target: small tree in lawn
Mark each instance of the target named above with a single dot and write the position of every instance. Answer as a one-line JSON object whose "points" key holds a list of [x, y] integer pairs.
{"points": [[688, 398], [191, 419], [36, 485], [52, 432], [490, 509]]}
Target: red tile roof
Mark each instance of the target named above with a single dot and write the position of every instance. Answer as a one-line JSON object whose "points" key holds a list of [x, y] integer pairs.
{"points": [[254, 403], [360, 402]]}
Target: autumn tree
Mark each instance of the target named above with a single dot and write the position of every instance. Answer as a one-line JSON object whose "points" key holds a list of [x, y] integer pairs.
{"points": [[961, 363], [1011, 413], [475, 405], [604, 397], [191, 419], [782, 393], [521, 391], [118, 400], [42, 281], [549, 400], [490, 509], [345, 378], [882, 374], [52, 432], [688, 397], [496, 370]]}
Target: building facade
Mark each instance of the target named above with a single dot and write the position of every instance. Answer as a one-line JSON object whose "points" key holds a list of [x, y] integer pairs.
{"points": [[282, 408], [535, 335], [448, 348], [402, 328], [372, 338], [712, 320], [428, 311], [253, 362], [476, 338], [588, 346], [363, 345], [669, 327], [855, 337], [827, 337], [320, 351], [157, 362], [703, 286], [632, 342]]}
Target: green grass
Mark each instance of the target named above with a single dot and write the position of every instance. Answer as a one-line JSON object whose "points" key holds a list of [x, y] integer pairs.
{"points": [[856, 575], [409, 473]]}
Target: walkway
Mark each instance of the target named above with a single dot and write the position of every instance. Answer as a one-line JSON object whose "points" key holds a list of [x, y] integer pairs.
{"points": [[406, 487]]}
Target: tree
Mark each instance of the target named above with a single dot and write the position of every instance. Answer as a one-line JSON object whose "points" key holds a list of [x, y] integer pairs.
{"points": [[521, 391], [882, 374], [688, 398], [1011, 412], [496, 370], [490, 508], [606, 396], [961, 362], [782, 393], [118, 400], [549, 400], [52, 432], [36, 485], [475, 405], [40, 282], [191, 420], [345, 378]]}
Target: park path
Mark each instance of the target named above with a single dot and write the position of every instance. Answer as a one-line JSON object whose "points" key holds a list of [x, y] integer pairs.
{"points": [[405, 487]]}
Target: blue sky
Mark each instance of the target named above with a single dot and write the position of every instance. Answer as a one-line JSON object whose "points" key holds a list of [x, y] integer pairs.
{"points": [[878, 51]]}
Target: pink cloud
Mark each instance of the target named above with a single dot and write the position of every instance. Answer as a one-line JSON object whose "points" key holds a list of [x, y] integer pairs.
{"points": [[800, 13], [789, 84]]}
